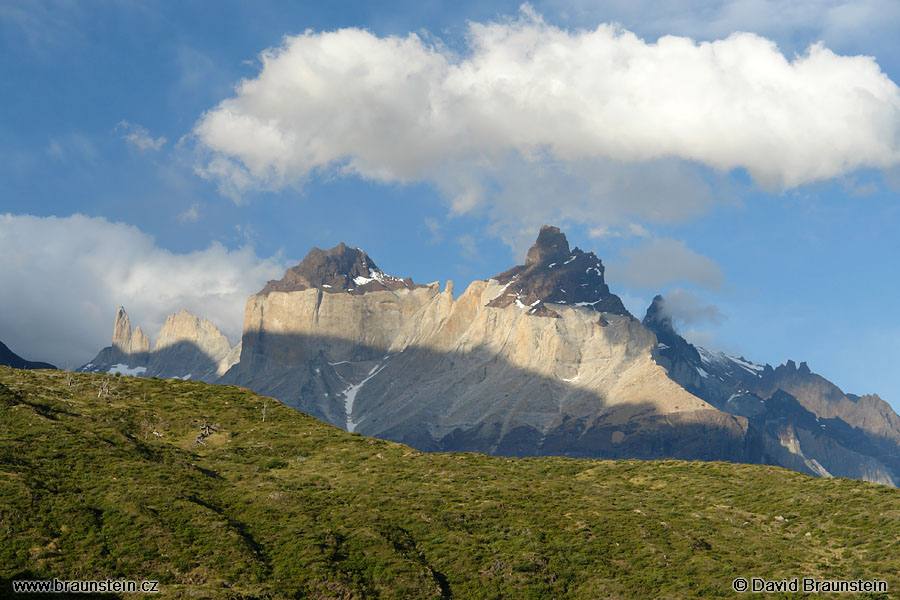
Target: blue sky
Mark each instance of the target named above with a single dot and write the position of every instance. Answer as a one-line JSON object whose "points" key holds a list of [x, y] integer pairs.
{"points": [[752, 179]]}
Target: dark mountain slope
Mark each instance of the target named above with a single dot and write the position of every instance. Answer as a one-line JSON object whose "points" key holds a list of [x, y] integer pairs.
{"points": [[8, 358]]}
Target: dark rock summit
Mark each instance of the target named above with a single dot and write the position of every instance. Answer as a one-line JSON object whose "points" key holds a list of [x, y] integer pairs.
{"points": [[554, 274], [8, 358], [671, 345], [341, 269]]}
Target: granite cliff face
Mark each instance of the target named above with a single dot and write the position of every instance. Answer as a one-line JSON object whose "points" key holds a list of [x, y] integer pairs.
{"points": [[482, 372], [804, 421], [187, 347]]}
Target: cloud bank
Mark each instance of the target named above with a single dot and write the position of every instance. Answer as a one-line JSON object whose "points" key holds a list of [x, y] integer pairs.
{"points": [[64, 277], [662, 262], [527, 97]]}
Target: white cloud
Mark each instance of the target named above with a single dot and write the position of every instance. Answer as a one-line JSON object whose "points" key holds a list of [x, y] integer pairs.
{"points": [[191, 215], [139, 136], [64, 277], [528, 98], [662, 262], [630, 230], [686, 308]]}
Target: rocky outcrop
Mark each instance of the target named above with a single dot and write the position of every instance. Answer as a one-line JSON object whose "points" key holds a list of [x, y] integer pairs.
{"points": [[126, 342], [340, 269], [187, 347], [8, 358], [554, 274]]}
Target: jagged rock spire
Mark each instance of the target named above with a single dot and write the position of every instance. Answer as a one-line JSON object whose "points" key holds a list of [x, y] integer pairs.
{"points": [[122, 331], [124, 340], [657, 318], [551, 246]]}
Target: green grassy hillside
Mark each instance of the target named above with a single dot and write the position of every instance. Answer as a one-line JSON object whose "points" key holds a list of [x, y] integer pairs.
{"points": [[114, 482]]}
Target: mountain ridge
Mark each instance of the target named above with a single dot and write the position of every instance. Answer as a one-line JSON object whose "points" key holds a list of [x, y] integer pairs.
{"points": [[828, 432], [187, 347], [542, 359], [9, 358]]}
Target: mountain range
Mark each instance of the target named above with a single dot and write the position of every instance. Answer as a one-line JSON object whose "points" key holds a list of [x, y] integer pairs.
{"points": [[542, 359]]}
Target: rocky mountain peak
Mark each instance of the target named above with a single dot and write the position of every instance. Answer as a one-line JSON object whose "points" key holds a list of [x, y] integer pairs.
{"points": [[340, 269], [183, 327], [140, 341], [122, 331], [657, 318], [187, 347], [790, 367], [124, 340], [554, 274], [671, 345], [551, 246]]}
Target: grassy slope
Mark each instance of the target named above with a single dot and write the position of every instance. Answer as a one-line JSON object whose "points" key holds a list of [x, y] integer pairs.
{"points": [[292, 507]]}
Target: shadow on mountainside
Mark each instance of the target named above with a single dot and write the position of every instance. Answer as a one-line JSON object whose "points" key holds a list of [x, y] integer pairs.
{"points": [[179, 360], [477, 402]]}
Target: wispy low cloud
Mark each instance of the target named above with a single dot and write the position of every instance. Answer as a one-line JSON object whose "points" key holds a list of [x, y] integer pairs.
{"points": [[139, 136], [468, 246], [64, 277], [687, 308], [662, 262], [191, 215], [524, 92], [631, 230]]}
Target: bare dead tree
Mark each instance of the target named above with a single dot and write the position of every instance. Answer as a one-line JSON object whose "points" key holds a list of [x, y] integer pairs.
{"points": [[104, 388], [205, 431]]}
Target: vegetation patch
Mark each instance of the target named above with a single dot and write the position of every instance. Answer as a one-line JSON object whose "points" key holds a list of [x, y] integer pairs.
{"points": [[188, 484]]}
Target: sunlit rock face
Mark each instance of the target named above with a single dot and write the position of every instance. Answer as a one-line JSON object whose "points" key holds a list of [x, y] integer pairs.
{"points": [[486, 371]]}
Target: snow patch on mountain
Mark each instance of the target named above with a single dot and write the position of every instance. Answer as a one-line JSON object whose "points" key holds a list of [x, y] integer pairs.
{"points": [[124, 369], [350, 396], [721, 359]]}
